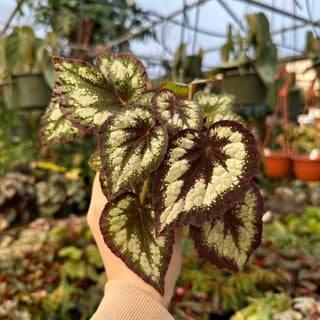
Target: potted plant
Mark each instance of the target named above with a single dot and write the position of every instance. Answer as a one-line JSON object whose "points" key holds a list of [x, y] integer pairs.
{"points": [[276, 152], [305, 155], [248, 62], [26, 68], [90, 26], [312, 49], [295, 99], [164, 162]]}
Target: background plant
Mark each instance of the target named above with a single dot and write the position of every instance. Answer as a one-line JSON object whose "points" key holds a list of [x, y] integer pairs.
{"points": [[22, 52], [50, 271], [47, 190], [88, 25], [254, 50]]}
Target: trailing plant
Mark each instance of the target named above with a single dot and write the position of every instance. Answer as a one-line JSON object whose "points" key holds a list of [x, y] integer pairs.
{"points": [[305, 139], [164, 162], [312, 48], [184, 67], [22, 52], [254, 50]]}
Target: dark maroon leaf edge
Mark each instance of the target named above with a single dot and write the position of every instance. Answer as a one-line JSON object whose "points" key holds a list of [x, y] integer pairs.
{"points": [[209, 253], [159, 285], [198, 215]]}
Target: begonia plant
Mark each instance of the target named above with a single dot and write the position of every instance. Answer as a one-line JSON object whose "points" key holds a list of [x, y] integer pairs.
{"points": [[166, 159]]}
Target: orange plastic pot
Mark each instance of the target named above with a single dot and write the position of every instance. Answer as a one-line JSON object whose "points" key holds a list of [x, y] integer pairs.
{"points": [[306, 169], [277, 164]]}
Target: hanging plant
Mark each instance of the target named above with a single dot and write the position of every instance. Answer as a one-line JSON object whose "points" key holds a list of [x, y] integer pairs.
{"points": [[164, 162], [277, 162]]}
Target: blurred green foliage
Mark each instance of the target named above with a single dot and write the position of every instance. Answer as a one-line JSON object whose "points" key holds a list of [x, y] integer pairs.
{"points": [[285, 268], [50, 271]]}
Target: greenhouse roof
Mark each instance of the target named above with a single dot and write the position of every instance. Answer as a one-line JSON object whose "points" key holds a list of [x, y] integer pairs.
{"points": [[203, 24]]}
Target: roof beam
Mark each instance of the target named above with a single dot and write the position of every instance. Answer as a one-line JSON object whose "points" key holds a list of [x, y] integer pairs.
{"points": [[16, 9], [170, 16], [187, 26], [231, 13], [315, 23], [280, 11]]}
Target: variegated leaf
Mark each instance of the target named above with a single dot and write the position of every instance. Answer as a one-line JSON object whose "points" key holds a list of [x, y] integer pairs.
{"points": [[103, 183], [203, 174], [223, 115], [145, 100], [211, 102], [95, 161], [128, 229], [181, 89], [83, 93], [126, 76], [55, 127], [176, 113], [228, 241], [131, 148]]}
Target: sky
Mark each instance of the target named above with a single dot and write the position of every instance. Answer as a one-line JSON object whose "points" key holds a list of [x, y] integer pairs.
{"points": [[214, 17]]}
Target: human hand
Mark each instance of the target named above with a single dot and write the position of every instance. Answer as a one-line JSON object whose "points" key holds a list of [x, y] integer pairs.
{"points": [[116, 269]]}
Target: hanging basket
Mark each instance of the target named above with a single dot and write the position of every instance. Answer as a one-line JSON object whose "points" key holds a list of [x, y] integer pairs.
{"points": [[247, 88], [277, 164], [306, 169], [27, 91]]}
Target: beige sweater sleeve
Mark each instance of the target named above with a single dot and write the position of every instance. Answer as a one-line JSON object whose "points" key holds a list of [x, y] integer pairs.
{"points": [[123, 300]]}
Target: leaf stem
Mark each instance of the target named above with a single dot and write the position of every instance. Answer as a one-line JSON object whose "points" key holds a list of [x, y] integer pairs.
{"points": [[190, 92], [144, 190]]}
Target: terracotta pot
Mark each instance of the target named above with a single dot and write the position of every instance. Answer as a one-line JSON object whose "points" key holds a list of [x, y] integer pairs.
{"points": [[306, 169], [277, 164]]}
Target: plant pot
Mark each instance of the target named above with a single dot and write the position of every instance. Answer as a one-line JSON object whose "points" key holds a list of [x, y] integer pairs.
{"points": [[248, 88], [277, 164], [306, 169], [27, 91]]}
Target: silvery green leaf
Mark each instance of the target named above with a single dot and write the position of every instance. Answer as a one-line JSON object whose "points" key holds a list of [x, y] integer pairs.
{"points": [[217, 107], [55, 127], [223, 115], [211, 102], [228, 240], [95, 161], [125, 75], [83, 94], [203, 174], [131, 148], [128, 230], [176, 113], [103, 183], [145, 100]]}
